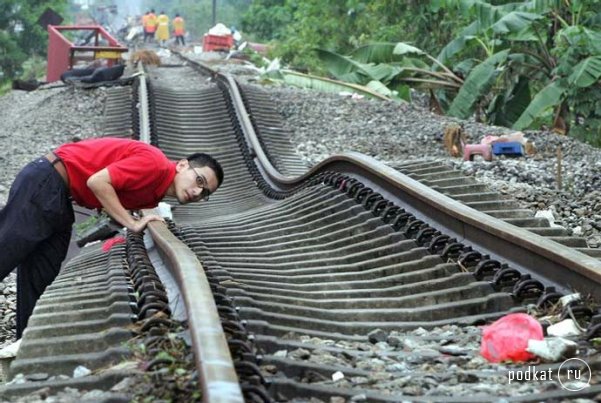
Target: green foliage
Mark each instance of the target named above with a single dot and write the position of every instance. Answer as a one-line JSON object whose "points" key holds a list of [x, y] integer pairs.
{"points": [[476, 85], [4, 88], [11, 56], [390, 79], [373, 89], [266, 19], [34, 68], [20, 34], [298, 27], [549, 72], [89, 223], [548, 98]]}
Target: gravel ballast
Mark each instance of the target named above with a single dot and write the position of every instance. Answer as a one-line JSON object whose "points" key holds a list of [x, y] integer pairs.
{"points": [[393, 133]]}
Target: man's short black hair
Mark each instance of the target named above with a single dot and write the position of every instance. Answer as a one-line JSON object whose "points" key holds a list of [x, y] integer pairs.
{"points": [[199, 160]]}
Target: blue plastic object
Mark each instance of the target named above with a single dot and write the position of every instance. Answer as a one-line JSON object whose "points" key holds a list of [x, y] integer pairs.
{"points": [[512, 148]]}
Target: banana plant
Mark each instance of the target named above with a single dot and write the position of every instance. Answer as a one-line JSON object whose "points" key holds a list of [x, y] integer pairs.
{"points": [[395, 66], [554, 56]]}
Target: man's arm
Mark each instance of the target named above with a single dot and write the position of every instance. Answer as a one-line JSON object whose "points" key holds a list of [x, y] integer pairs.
{"points": [[100, 184]]}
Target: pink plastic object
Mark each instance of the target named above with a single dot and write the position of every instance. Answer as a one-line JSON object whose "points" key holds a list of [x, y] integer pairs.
{"points": [[489, 139], [108, 244], [507, 338], [469, 150]]}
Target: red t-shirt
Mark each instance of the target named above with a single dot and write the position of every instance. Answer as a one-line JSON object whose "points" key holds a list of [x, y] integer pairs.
{"points": [[140, 173]]}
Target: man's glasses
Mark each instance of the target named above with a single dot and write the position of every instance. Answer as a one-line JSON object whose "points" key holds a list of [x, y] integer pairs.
{"points": [[201, 181]]}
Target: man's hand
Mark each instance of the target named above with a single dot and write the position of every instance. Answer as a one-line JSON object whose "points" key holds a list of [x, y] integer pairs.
{"points": [[100, 184], [140, 225]]}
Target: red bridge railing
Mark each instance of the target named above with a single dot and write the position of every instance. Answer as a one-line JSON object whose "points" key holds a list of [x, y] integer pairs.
{"points": [[63, 54]]}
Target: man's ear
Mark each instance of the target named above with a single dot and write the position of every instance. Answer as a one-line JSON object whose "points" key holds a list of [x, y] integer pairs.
{"points": [[181, 165]]}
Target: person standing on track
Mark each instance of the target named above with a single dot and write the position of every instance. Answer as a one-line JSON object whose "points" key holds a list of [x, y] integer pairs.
{"points": [[110, 173], [145, 19], [179, 29], [163, 28], [151, 26]]}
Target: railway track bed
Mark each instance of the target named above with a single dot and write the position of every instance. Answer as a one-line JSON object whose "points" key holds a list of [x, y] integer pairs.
{"points": [[349, 281]]}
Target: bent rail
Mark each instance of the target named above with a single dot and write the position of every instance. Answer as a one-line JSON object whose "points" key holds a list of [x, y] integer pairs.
{"points": [[531, 252], [216, 370]]}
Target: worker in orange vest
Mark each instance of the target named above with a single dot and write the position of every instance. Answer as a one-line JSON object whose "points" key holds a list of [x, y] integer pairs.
{"points": [[145, 18], [178, 29], [151, 26]]}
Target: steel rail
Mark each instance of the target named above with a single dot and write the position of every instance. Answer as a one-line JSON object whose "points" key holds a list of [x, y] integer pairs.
{"points": [[562, 265], [217, 374], [533, 253], [143, 112], [558, 263], [521, 248]]}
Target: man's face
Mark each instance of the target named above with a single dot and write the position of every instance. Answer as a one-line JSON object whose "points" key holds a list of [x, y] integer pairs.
{"points": [[193, 184]]}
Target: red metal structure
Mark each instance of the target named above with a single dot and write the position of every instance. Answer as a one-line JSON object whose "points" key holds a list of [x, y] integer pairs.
{"points": [[217, 42], [63, 54]]}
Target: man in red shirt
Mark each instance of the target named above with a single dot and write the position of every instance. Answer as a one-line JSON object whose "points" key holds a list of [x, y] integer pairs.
{"points": [[110, 173]]}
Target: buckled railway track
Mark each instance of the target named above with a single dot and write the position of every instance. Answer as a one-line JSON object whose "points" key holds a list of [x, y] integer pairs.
{"points": [[308, 272]]}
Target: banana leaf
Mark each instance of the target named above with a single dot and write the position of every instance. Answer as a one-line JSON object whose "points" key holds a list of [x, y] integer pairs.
{"points": [[402, 48], [465, 66], [382, 72], [540, 6], [411, 62], [518, 101], [525, 35], [514, 22], [507, 107], [380, 88], [548, 97], [382, 53], [587, 72], [476, 85], [402, 91], [379, 52], [488, 15], [344, 68], [326, 85], [458, 44]]}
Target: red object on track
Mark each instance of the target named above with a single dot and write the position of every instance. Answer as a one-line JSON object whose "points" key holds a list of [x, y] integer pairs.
{"points": [[217, 42], [507, 338], [108, 244]]}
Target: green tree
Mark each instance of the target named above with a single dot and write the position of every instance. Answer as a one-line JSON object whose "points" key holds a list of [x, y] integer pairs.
{"points": [[552, 72], [267, 19], [298, 26], [20, 35]]}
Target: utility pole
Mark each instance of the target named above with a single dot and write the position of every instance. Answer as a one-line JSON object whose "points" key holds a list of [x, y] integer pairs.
{"points": [[214, 13]]}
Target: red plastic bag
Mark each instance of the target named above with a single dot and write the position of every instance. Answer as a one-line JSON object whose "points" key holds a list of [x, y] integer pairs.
{"points": [[507, 338], [107, 245]]}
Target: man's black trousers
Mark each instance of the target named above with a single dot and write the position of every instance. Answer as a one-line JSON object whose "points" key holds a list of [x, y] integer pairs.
{"points": [[35, 230]]}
